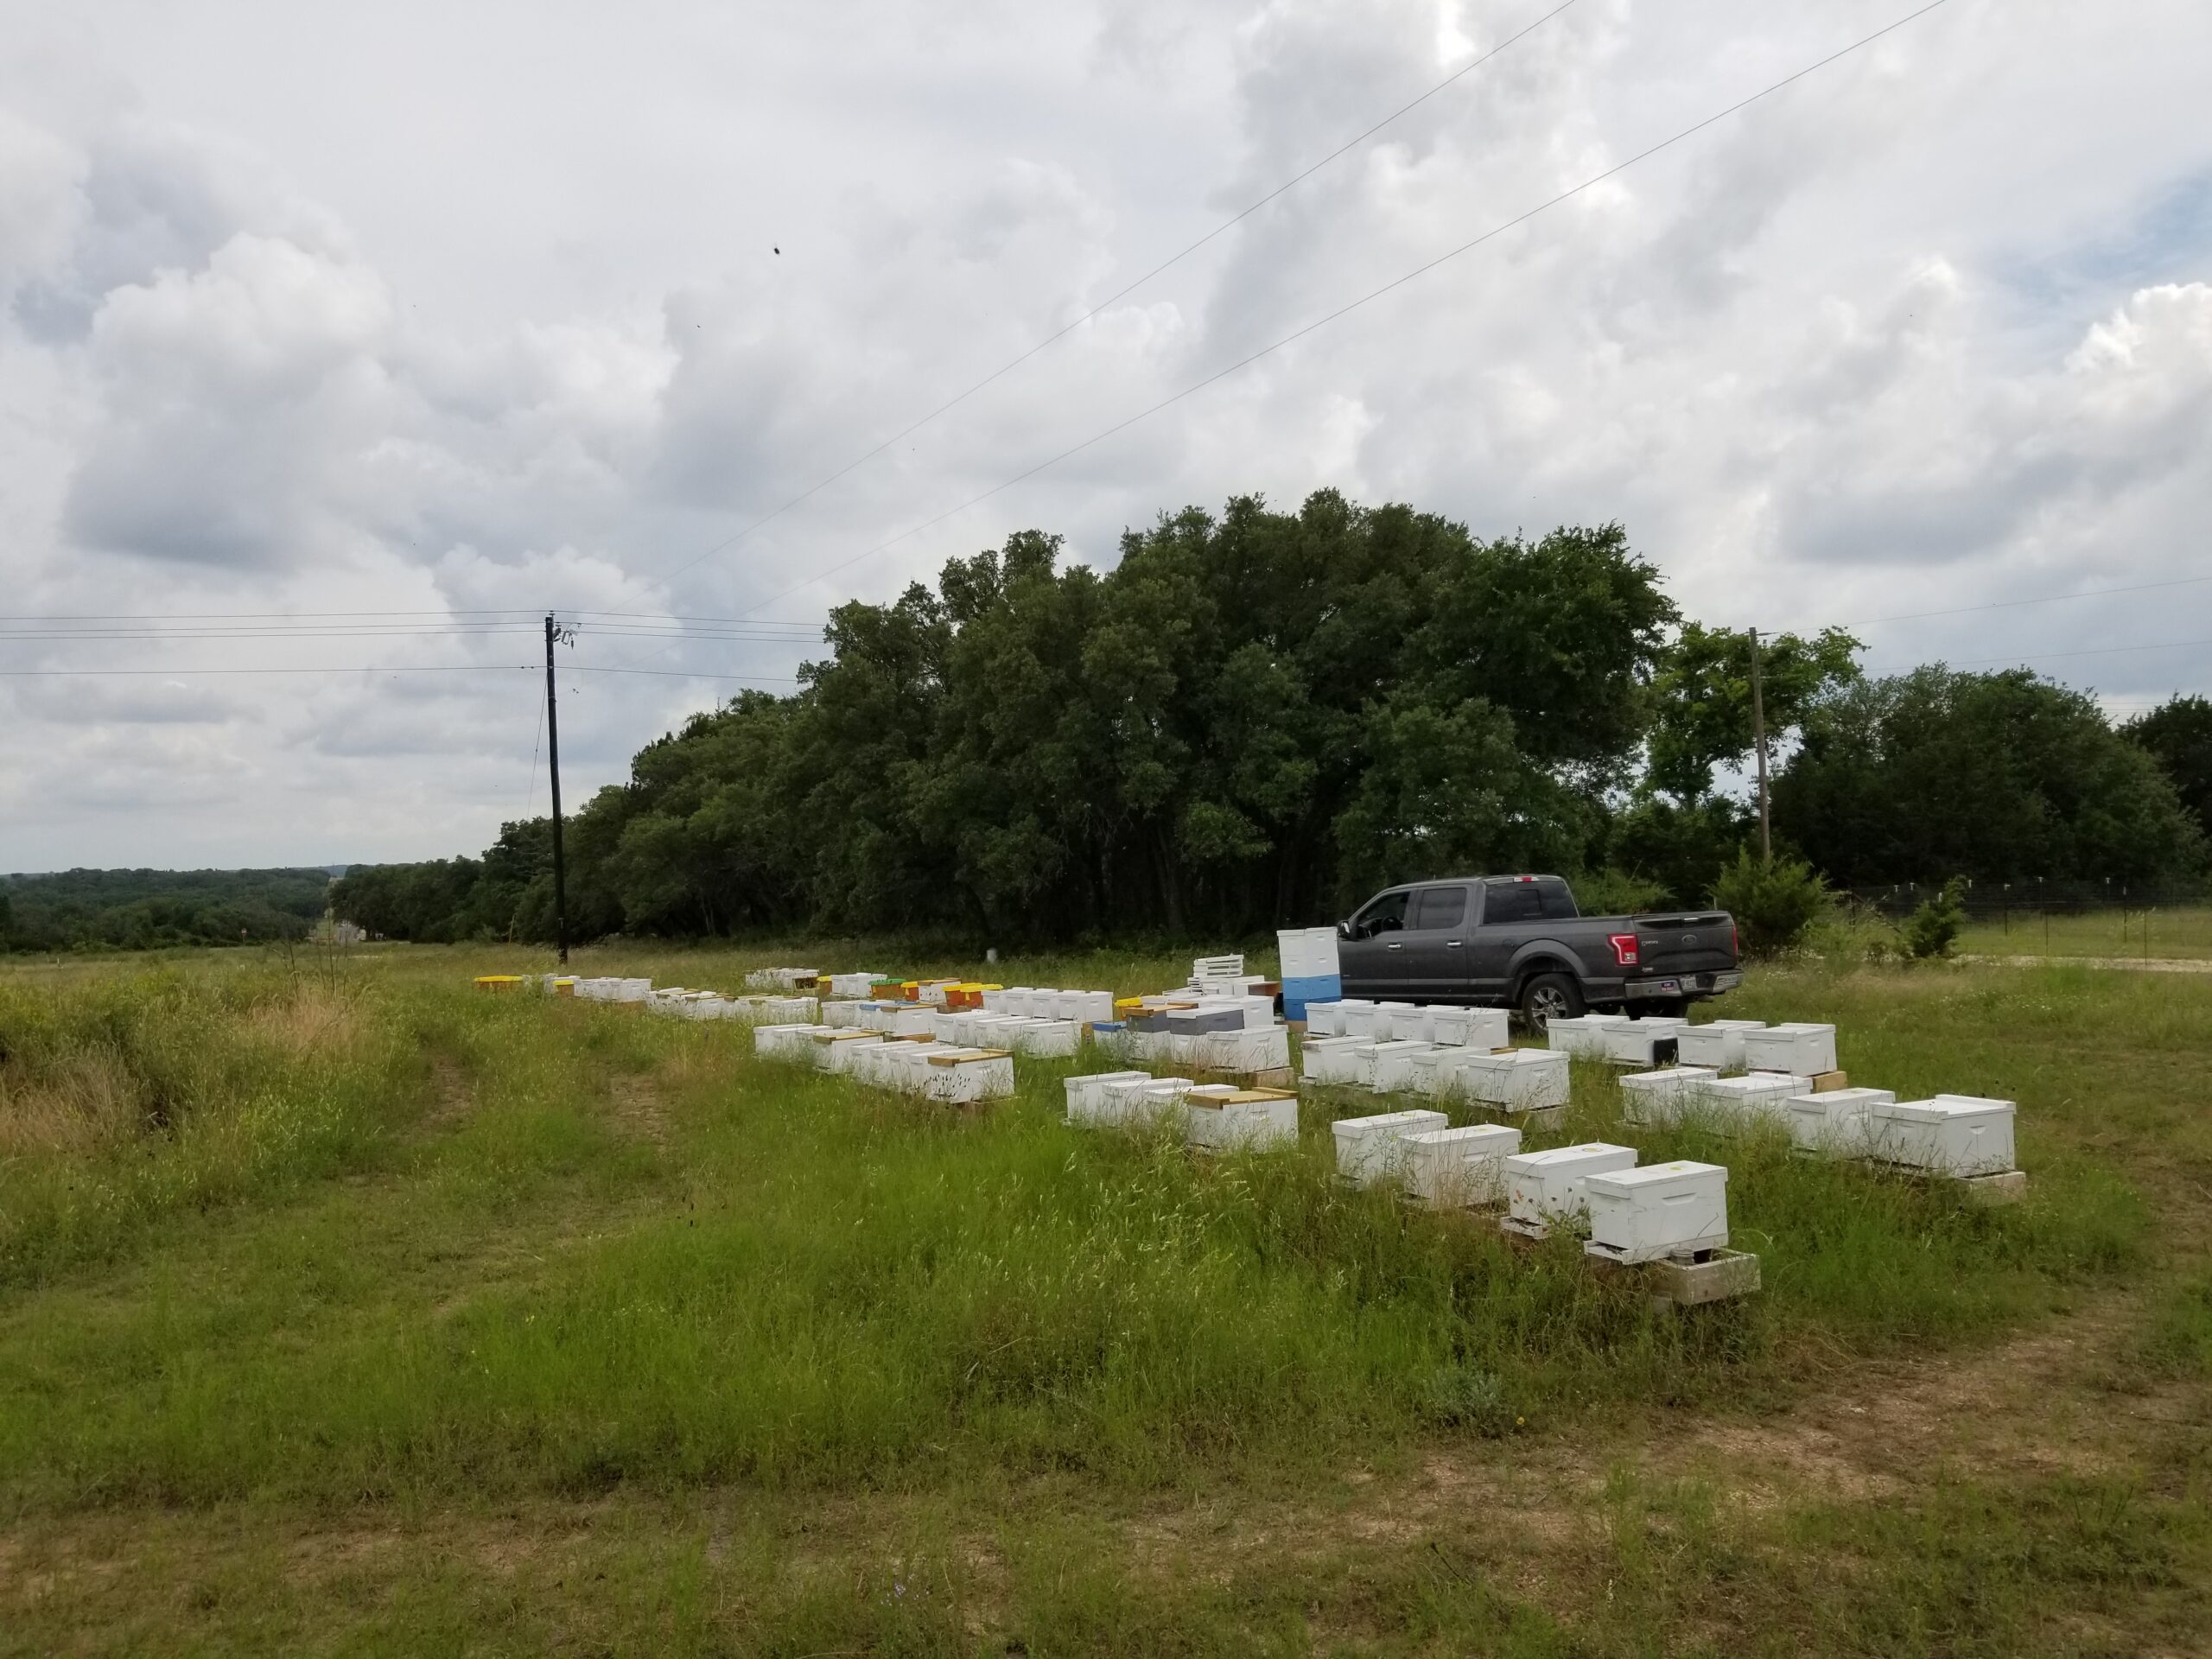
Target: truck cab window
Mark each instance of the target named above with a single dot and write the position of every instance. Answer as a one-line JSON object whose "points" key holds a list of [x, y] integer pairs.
{"points": [[1386, 915], [1511, 901], [1556, 898], [1436, 908]]}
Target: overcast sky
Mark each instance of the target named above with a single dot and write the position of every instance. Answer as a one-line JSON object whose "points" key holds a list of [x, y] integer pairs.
{"points": [[431, 309]]}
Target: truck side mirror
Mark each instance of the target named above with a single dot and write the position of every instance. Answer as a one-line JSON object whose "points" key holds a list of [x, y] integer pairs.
{"points": [[1344, 930]]}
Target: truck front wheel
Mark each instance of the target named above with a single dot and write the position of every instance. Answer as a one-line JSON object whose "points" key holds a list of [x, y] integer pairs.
{"points": [[1550, 996]]}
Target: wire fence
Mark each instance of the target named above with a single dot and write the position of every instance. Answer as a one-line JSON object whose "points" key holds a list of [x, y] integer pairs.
{"points": [[2117, 916]]}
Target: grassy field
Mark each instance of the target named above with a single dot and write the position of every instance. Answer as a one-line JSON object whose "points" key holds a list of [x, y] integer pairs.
{"points": [[2173, 932], [343, 1309]]}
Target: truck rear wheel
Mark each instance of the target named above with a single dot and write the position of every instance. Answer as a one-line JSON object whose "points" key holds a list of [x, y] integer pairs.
{"points": [[1551, 996]]}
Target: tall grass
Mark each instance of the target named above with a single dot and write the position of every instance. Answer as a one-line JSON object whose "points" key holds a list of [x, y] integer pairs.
{"points": [[124, 1099], [834, 1287]]}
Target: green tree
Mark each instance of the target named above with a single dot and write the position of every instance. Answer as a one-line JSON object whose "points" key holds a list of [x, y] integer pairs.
{"points": [[2000, 776], [1703, 697], [2178, 733]]}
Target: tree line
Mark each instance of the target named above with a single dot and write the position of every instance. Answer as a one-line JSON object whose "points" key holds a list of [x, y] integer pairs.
{"points": [[1258, 718], [134, 910]]}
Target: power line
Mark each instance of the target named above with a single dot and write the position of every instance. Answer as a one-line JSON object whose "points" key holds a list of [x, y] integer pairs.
{"points": [[383, 668], [2006, 604], [1008, 367], [1366, 298], [2027, 657], [177, 673]]}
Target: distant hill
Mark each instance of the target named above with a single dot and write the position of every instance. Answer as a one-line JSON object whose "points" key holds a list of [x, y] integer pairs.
{"points": [[68, 910]]}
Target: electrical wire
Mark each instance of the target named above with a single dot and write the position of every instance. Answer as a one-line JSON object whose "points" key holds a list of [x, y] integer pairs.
{"points": [[2006, 604], [1368, 298], [1114, 298]]}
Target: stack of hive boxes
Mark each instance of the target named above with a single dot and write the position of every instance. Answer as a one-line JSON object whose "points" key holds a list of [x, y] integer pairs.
{"points": [[1672, 1209], [1310, 973]]}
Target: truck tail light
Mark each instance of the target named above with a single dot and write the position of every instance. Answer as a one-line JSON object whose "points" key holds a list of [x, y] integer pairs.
{"points": [[1624, 949]]}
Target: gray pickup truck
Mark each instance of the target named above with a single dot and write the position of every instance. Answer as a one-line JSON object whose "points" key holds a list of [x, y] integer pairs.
{"points": [[1519, 940]]}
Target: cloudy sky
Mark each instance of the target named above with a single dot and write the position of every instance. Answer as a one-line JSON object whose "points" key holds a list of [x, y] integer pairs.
{"points": [[449, 313]]}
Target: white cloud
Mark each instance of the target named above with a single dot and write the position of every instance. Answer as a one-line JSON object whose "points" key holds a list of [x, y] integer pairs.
{"points": [[417, 326]]}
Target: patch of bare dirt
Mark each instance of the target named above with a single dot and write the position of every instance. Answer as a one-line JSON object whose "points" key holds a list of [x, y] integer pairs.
{"points": [[639, 1107], [451, 1098]]}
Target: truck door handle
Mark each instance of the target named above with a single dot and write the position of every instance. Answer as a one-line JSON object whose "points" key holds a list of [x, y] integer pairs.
{"points": [[1395, 945], [1452, 945]]}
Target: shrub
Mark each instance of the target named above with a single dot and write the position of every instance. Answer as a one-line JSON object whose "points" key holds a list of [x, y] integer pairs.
{"points": [[1614, 892], [1460, 1396], [1932, 929], [1775, 902]]}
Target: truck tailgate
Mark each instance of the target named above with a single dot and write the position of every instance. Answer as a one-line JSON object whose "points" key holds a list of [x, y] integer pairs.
{"points": [[1690, 941]]}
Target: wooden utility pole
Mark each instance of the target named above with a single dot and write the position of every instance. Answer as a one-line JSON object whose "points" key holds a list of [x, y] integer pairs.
{"points": [[1758, 742], [553, 767]]}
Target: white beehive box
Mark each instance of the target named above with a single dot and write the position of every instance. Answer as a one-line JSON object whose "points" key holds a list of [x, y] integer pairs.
{"points": [[1471, 1028], [1401, 1021], [1739, 1105], [913, 1020], [1321, 1019], [1517, 1079], [1458, 1168], [1356, 1018], [1584, 1038], [791, 1042], [1049, 1039], [1307, 952], [976, 1074], [1544, 1189], [1718, 1043], [851, 985], [1329, 1059], [1802, 1050], [1635, 1042], [1368, 1147], [1221, 1117], [1661, 1210], [1836, 1124], [1394, 1064], [1262, 1050], [1950, 1134], [1096, 1007], [1652, 1099], [1086, 1095], [1430, 1072], [1370, 1059], [879, 1064], [840, 1043]]}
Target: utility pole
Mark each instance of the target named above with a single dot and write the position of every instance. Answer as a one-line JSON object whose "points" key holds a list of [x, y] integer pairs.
{"points": [[553, 766], [1758, 742]]}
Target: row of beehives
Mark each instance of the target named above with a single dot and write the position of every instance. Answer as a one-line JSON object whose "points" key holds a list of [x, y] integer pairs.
{"points": [[1725, 1046], [1034, 1035], [1514, 1079], [1964, 1135], [1677, 1208], [916, 1066], [1217, 1116]]}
